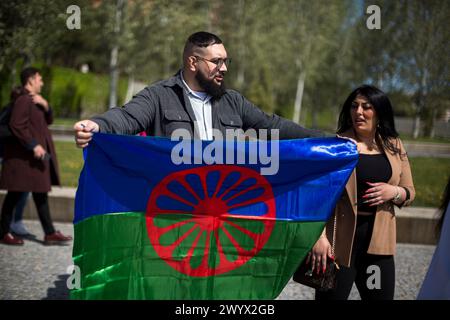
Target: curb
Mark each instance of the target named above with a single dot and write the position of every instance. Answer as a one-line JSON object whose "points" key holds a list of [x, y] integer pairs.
{"points": [[415, 225]]}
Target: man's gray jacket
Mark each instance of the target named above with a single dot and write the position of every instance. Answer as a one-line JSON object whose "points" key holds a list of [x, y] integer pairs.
{"points": [[163, 107]]}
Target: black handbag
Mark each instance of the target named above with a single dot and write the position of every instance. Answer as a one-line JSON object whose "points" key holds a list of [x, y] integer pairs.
{"points": [[322, 281]]}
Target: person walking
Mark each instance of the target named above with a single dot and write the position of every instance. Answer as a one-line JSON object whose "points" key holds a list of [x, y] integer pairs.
{"points": [[195, 99], [30, 163]]}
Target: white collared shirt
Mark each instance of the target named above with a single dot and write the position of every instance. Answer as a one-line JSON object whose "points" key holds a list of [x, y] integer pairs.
{"points": [[201, 104]]}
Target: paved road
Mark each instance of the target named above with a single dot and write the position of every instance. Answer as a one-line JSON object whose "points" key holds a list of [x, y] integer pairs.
{"points": [[35, 271]]}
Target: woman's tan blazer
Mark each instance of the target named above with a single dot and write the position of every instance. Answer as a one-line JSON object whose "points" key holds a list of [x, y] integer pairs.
{"points": [[383, 241]]}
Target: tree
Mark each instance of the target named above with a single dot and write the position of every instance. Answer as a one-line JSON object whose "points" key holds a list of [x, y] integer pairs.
{"points": [[426, 57], [114, 72], [310, 28], [28, 30], [410, 54]]}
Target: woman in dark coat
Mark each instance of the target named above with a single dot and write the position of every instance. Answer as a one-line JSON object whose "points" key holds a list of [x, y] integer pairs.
{"points": [[29, 163]]}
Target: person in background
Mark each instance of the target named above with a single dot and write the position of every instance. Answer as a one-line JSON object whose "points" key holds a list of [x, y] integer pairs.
{"points": [[365, 217], [436, 285], [17, 225], [29, 163]]}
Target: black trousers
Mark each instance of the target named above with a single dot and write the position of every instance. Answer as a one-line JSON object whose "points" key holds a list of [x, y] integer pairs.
{"points": [[374, 275], [40, 200]]}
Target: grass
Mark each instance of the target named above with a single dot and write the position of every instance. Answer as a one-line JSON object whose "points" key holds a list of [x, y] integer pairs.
{"points": [[70, 160], [68, 122], [430, 177], [430, 174]]}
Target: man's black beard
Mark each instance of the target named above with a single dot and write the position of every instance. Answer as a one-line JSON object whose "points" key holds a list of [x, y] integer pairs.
{"points": [[211, 88]]}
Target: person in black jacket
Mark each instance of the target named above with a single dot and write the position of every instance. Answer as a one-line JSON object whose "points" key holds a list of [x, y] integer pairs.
{"points": [[17, 225], [194, 99], [30, 162]]}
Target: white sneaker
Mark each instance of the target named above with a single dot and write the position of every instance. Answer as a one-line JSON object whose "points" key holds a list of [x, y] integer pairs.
{"points": [[18, 228]]}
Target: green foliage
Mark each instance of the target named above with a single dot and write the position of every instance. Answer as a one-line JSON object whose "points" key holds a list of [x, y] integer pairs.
{"points": [[5, 88], [260, 92], [70, 160], [28, 30], [74, 94], [325, 119], [272, 43], [71, 94], [430, 177]]}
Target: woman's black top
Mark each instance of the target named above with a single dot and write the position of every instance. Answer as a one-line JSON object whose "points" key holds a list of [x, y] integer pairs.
{"points": [[371, 168]]}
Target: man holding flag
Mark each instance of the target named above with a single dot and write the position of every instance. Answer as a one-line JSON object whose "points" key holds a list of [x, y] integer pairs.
{"points": [[195, 95], [149, 227]]}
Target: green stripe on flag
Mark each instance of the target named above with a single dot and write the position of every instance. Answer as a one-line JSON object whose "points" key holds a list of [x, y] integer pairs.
{"points": [[117, 260]]}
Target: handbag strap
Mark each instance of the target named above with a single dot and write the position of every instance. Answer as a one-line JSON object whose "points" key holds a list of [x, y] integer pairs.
{"points": [[334, 236]]}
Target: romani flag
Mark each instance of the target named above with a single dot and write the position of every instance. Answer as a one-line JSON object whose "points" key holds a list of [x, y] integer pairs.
{"points": [[149, 228]]}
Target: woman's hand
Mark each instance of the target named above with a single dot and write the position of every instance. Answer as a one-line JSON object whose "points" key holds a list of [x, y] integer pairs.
{"points": [[380, 193], [38, 99], [318, 255]]}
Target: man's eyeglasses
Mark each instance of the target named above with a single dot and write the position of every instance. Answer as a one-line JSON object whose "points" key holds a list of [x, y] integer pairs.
{"points": [[218, 62]]}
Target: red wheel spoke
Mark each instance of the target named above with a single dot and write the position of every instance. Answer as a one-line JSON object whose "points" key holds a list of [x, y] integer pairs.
{"points": [[186, 229], [158, 211], [254, 236], [219, 184], [204, 263], [261, 198], [170, 194], [231, 188], [241, 251], [202, 177], [173, 226], [192, 248], [174, 245], [242, 192], [222, 256], [188, 187]]}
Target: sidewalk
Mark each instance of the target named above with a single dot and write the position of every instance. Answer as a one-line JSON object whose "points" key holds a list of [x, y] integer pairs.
{"points": [[427, 149], [35, 271]]}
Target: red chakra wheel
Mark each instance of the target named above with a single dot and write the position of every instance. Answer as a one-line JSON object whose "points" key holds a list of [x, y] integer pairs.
{"points": [[198, 219]]}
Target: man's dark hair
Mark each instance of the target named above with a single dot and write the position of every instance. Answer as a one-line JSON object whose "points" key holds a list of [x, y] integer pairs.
{"points": [[200, 39], [27, 73], [203, 39], [384, 111]]}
